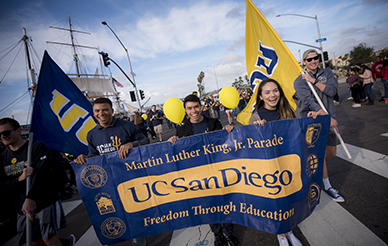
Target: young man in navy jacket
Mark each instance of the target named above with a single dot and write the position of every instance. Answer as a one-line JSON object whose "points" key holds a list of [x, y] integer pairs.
{"points": [[197, 124]]}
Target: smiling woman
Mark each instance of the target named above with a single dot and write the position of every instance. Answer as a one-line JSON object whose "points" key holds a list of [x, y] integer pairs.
{"points": [[271, 103]]}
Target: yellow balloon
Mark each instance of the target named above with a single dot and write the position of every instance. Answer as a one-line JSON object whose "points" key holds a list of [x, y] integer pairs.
{"points": [[229, 97], [144, 116], [174, 110]]}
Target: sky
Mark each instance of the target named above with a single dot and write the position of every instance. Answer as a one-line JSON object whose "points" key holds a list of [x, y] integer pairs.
{"points": [[171, 41]]}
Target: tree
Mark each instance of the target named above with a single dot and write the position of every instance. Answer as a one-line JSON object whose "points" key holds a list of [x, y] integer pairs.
{"points": [[361, 54], [201, 88], [329, 64], [383, 53], [237, 83], [247, 79]]}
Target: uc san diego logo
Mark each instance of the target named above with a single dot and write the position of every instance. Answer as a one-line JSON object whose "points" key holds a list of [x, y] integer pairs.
{"points": [[312, 165], [322, 79], [93, 177], [312, 134], [314, 194], [113, 228]]}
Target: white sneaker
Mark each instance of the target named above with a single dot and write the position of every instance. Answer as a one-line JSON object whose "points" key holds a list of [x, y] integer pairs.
{"points": [[282, 240], [294, 241], [356, 105], [350, 98]]}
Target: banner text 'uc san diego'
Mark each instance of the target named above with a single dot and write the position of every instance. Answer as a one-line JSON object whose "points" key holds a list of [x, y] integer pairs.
{"points": [[267, 178]]}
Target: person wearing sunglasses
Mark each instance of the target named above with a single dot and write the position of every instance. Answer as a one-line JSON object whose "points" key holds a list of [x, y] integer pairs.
{"points": [[41, 204], [325, 85]]}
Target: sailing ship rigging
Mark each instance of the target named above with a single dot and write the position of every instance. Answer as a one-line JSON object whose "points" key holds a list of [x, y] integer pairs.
{"points": [[92, 85]]}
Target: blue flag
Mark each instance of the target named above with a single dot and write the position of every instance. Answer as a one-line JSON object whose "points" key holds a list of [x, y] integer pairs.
{"points": [[62, 115], [267, 178]]}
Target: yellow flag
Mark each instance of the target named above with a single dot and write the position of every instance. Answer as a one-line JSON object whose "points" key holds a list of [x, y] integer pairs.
{"points": [[267, 57]]}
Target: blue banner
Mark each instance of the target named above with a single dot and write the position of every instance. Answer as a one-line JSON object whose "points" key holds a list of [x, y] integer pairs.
{"points": [[62, 115], [267, 178]]}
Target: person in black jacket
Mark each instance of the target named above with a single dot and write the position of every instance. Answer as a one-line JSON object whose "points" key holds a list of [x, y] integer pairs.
{"points": [[41, 203], [196, 123]]}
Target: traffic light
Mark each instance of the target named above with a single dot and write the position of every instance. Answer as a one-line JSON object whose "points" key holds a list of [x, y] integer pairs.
{"points": [[325, 56], [133, 96], [141, 94], [105, 58]]}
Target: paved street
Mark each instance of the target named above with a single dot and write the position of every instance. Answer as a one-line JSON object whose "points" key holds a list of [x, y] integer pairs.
{"points": [[363, 181]]}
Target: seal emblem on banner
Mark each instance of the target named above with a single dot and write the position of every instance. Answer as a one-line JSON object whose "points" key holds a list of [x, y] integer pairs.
{"points": [[312, 165], [93, 177], [105, 205], [113, 228], [314, 194], [312, 134]]}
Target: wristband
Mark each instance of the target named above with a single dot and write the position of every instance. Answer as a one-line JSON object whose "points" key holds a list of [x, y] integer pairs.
{"points": [[315, 82]]}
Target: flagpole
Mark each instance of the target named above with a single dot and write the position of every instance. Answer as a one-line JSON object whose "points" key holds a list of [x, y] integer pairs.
{"points": [[28, 186], [324, 109]]}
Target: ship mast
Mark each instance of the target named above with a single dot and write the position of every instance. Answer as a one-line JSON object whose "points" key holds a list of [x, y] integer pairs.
{"points": [[30, 68], [76, 59], [72, 44]]}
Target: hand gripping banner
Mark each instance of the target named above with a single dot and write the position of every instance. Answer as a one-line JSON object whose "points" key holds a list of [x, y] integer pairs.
{"points": [[267, 178]]}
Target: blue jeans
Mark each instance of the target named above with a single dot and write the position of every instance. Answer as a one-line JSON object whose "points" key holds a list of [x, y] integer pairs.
{"points": [[368, 91]]}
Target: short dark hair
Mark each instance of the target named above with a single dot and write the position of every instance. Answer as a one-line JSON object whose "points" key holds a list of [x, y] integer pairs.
{"points": [[15, 125], [101, 100], [191, 98]]}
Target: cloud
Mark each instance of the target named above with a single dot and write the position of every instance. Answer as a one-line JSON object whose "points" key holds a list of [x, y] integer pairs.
{"points": [[235, 13], [231, 58], [184, 29], [240, 42], [374, 1]]}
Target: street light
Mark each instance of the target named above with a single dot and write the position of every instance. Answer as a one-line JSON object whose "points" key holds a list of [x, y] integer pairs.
{"points": [[129, 61], [319, 33]]}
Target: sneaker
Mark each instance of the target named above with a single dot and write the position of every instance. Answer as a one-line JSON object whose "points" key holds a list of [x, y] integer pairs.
{"points": [[356, 105], [370, 103], [363, 100], [72, 240], [219, 239], [386, 100], [382, 99], [282, 240], [294, 241], [350, 98], [232, 240], [334, 195], [336, 102]]}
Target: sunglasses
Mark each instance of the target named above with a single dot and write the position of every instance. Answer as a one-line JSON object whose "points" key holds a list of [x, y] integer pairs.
{"points": [[6, 133], [312, 58]]}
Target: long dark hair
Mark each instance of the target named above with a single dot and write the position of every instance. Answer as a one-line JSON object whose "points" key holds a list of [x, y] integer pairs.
{"points": [[385, 63], [365, 67], [283, 106]]}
